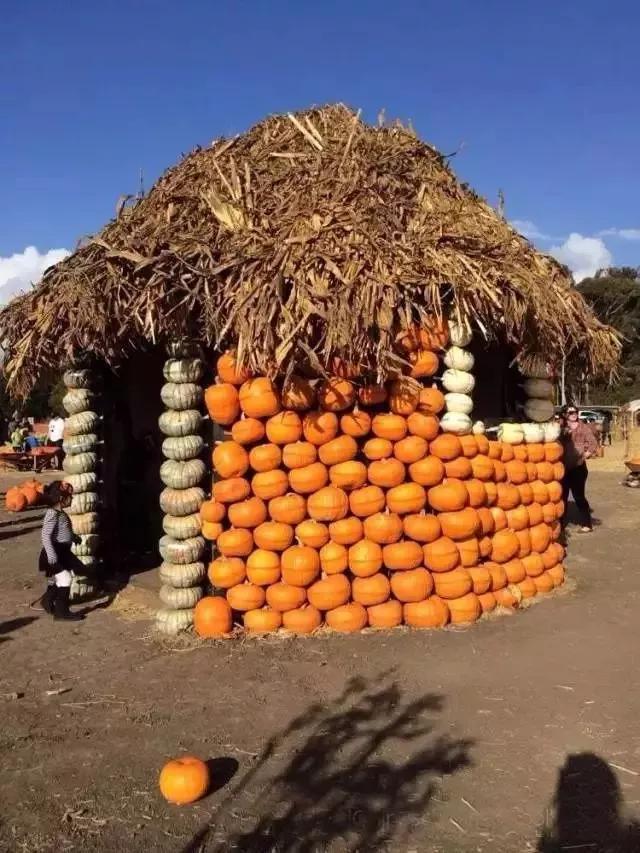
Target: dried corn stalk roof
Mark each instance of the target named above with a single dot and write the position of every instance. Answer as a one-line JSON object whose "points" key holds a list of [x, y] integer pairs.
{"points": [[311, 235]]}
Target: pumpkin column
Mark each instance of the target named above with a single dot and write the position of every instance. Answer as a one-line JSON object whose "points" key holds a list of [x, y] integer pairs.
{"points": [[182, 547], [459, 382], [80, 466]]}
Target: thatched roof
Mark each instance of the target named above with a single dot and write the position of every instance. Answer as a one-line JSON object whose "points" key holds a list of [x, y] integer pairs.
{"points": [[309, 236]]}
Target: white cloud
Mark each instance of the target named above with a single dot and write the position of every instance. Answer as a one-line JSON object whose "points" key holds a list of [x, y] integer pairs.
{"points": [[19, 271], [622, 233], [530, 230], [583, 255]]}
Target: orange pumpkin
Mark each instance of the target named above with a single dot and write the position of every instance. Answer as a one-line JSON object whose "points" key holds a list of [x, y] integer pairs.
{"points": [[309, 479], [283, 597], [514, 570], [365, 558], [464, 609], [469, 446], [495, 450], [477, 493], [452, 584], [386, 615], [289, 508], [366, 501], [235, 542], [230, 459], [225, 572], [410, 449], [520, 453], [421, 527], [535, 513], [299, 454], [532, 471], [428, 471], [533, 565], [449, 496], [498, 575], [341, 449], [348, 475], [509, 597], [222, 402], [390, 426], [230, 371], [505, 546], [372, 395], [540, 537], [499, 518], [284, 428], [528, 588], [508, 453], [262, 621], [553, 451], [480, 578], [259, 398], [433, 612], [536, 453], [555, 491], [212, 511], [247, 431], [302, 620], [549, 557], [508, 496], [431, 334], [383, 528], [545, 472], [423, 363], [347, 618], [186, 779], [526, 494], [248, 513], [346, 531], [265, 457], [371, 590], [487, 601], [328, 504], [403, 555], [423, 425], [333, 558], [518, 518], [412, 585], [486, 521], [386, 473], [336, 394], [356, 423], [300, 565], [543, 583], [516, 472], [431, 401], [556, 574], [273, 536], [298, 394], [482, 467], [446, 447], [492, 493], [263, 567], [245, 596], [525, 543], [441, 555], [211, 530], [404, 395], [459, 469], [406, 498], [328, 593], [319, 427], [549, 513], [483, 444], [378, 448], [499, 471], [270, 484], [469, 551], [312, 533], [459, 525]]}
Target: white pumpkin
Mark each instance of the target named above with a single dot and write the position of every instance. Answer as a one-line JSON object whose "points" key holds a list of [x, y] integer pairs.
{"points": [[183, 447], [182, 475], [181, 551], [459, 334], [87, 547], [84, 502], [458, 381], [533, 433], [478, 428], [181, 395], [75, 444], [173, 622], [180, 598], [183, 370], [181, 577], [82, 482], [456, 422], [181, 502], [85, 523], [78, 400], [551, 431], [511, 433], [182, 526], [537, 370], [77, 378], [541, 389], [82, 586], [81, 463], [461, 403], [89, 562], [81, 424], [459, 359], [187, 422], [539, 410]]}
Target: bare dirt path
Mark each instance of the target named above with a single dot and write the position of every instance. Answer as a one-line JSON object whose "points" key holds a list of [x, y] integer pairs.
{"points": [[405, 741]]}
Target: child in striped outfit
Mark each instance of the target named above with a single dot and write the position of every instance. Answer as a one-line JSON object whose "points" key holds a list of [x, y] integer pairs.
{"points": [[56, 558]]}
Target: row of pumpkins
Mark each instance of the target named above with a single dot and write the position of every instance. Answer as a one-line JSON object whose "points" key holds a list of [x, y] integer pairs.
{"points": [[24, 495], [348, 505]]}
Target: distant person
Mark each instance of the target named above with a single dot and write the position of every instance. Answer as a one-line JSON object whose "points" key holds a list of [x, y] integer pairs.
{"points": [[56, 558], [17, 439], [579, 445], [55, 437], [13, 424], [30, 441], [606, 429]]}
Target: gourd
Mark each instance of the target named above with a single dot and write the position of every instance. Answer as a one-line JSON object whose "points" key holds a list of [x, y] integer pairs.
{"points": [[533, 433], [539, 410], [77, 444], [182, 527], [87, 547], [458, 381], [456, 423], [81, 424], [478, 428], [511, 433], [180, 598], [82, 482], [181, 502], [181, 396], [458, 403], [539, 388], [183, 370], [459, 334], [78, 400], [176, 424], [173, 622], [182, 448], [181, 551], [82, 503], [182, 576], [457, 358], [212, 616], [85, 523], [182, 475]]}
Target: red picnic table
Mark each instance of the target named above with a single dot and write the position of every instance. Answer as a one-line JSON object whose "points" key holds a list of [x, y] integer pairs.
{"points": [[35, 460]]}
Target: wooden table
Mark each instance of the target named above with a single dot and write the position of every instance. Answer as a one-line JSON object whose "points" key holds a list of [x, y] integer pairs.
{"points": [[35, 460]]}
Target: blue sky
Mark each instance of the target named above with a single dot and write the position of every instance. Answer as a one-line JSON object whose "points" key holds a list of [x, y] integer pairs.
{"points": [[539, 99]]}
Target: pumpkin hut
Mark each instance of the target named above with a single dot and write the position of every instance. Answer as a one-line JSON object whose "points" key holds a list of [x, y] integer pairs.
{"points": [[283, 363]]}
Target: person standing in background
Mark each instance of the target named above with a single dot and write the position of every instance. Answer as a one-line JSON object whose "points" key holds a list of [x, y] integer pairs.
{"points": [[55, 436], [579, 445]]}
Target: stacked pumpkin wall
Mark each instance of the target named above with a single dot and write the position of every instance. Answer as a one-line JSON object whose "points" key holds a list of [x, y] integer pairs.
{"points": [[346, 503], [81, 445], [182, 547]]}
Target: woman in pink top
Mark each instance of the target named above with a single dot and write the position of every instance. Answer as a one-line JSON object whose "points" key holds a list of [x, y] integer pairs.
{"points": [[579, 445]]}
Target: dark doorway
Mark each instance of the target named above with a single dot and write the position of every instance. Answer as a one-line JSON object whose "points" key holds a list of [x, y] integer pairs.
{"points": [[498, 390]]}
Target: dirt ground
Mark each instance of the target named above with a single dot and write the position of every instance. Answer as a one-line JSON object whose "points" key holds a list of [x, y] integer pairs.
{"points": [[519, 734]]}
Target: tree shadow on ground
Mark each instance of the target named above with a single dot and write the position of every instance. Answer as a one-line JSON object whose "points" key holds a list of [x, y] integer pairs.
{"points": [[13, 624], [17, 531], [588, 811], [359, 772]]}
